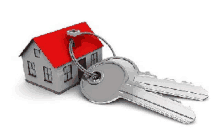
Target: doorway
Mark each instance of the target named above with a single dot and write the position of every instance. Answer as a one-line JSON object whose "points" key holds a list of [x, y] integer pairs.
{"points": [[83, 63]]}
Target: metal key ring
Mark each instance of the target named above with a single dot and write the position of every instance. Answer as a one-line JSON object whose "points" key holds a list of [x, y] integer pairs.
{"points": [[75, 33]]}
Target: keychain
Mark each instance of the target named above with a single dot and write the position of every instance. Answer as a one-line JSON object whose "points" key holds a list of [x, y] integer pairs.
{"points": [[105, 80], [119, 77]]}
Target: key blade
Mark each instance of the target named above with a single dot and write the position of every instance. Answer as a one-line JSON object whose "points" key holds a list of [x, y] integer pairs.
{"points": [[172, 88], [157, 103]]}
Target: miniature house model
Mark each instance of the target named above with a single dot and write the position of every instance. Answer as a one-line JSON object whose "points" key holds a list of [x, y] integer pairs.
{"points": [[47, 62]]}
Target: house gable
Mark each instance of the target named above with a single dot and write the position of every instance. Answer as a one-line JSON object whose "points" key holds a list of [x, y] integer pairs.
{"points": [[39, 63]]}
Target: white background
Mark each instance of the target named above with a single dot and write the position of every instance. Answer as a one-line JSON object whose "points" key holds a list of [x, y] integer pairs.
{"points": [[175, 39]]}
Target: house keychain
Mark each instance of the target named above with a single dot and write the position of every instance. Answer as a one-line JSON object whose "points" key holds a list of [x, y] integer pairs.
{"points": [[47, 63], [119, 77], [105, 80]]}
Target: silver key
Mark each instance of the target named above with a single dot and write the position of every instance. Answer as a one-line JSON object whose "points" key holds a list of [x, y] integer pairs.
{"points": [[163, 86], [113, 83]]}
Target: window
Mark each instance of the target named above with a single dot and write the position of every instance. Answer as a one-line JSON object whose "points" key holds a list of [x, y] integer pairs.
{"points": [[67, 73], [47, 74], [31, 69], [94, 58], [37, 53]]}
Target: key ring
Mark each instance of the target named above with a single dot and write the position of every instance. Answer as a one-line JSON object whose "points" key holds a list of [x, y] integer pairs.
{"points": [[75, 33]]}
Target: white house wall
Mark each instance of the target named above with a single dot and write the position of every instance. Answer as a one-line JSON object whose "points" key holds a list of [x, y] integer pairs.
{"points": [[58, 83], [88, 57], [39, 63], [74, 80], [61, 85]]}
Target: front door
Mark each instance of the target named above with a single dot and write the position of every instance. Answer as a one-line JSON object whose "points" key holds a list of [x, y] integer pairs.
{"points": [[83, 63]]}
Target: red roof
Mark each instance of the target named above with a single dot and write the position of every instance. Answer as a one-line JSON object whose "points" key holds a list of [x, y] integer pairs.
{"points": [[55, 45]]}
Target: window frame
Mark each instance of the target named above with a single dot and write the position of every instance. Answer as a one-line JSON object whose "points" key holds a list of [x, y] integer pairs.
{"points": [[37, 56], [94, 58], [31, 66], [66, 73], [47, 74]]}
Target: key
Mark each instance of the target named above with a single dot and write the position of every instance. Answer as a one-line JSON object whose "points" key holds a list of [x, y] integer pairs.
{"points": [[112, 82], [163, 86]]}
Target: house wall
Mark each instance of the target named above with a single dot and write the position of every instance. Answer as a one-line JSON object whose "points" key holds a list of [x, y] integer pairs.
{"points": [[58, 83], [88, 57], [39, 63], [75, 79]]}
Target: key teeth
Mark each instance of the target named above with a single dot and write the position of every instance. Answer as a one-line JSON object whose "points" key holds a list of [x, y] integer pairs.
{"points": [[204, 98], [170, 79], [204, 92], [149, 74], [185, 82], [183, 119], [164, 113], [160, 91]]}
